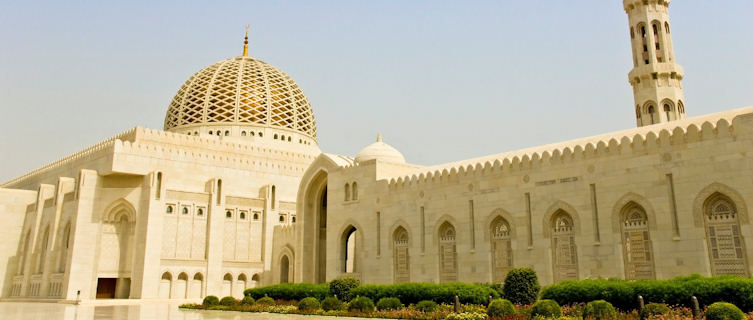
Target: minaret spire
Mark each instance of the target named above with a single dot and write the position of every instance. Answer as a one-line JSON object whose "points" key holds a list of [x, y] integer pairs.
{"points": [[656, 77], [245, 43]]}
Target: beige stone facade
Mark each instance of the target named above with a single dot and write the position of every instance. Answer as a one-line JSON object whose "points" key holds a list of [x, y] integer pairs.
{"points": [[235, 193]]}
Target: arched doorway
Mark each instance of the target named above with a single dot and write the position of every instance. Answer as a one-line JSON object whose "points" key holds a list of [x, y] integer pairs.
{"points": [[180, 287], [194, 291], [314, 248], [227, 285], [116, 251], [348, 255], [255, 281], [240, 285], [165, 285], [284, 269]]}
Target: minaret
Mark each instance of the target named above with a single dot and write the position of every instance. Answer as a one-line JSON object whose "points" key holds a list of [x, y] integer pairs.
{"points": [[656, 78], [245, 42]]}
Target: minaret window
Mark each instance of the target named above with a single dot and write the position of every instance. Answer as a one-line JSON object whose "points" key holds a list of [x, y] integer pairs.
{"points": [[667, 110], [651, 113], [643, 31], [666, 27], [632, 33]]}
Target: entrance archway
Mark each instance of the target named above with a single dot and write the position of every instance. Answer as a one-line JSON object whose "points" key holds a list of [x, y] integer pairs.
{"points": [[315, 229], [284, 269]]}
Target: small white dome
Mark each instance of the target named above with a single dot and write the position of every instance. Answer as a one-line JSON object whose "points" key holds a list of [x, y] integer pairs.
{"points": [[380, 151]]}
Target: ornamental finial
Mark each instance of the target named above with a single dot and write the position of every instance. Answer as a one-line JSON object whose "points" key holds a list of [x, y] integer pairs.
{"points": [[245, 42]]}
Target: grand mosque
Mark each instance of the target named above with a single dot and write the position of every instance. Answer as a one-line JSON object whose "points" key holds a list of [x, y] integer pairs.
{"points": [[235, 192]]}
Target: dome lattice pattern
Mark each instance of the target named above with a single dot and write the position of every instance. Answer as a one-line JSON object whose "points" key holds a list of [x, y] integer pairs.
{"points": [[240, 91]]}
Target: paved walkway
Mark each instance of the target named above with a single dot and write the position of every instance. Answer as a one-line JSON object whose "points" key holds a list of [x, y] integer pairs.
{"points": [[54, 311]]}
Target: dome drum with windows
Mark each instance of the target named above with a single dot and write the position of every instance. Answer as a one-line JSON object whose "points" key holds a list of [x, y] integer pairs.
{"points": [[242, 97]]}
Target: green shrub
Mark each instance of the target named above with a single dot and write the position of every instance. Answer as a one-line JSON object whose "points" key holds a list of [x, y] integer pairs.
{"points": [[521, 286], [546, 308], [389, 304], [309, 304], [466, 316], [599, 310], [654, 309], [426, 306], [341, 287], [247, 301], [678, 291], [500, 308], [361, 304], [211, 301], [228, 301], [289, 291], [332, 303], [411, 293], [724, 311], [265, 301]]}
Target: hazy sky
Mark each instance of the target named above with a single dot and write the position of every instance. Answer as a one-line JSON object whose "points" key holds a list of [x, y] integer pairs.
{"points": [[442, 80]]}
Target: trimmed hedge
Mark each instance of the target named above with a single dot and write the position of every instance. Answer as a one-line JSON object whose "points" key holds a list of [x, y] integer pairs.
{"points": [[426, 306], [678, 291], [341, 287], [332, 303], [265, 301], [290, 291], [521, 286], [247, 301], [361, 304], [546, 309], [654, 309], [228, 301], [309, 304], [389, 304], [724, 311], [500, 308], [411, 293], [599, 310], [211, 301]]}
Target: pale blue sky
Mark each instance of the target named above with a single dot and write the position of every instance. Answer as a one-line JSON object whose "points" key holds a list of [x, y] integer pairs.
{"points": [[442, 80]]}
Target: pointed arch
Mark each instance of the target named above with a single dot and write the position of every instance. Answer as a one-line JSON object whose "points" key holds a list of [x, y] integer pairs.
{"points": [[448, 262], [42, 249], [165, 285], [401, 254], [180, 287], [227, 284], [722, 214], [563, 227], [63, 247], [636, 242], [500, 232], [196, 287], [118, 209], [349, 248]]}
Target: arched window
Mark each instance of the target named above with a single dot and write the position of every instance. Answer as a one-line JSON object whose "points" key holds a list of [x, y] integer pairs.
{"points": [[275, 137], [636, 243], [289, 139], [347, 192], [643, 31], [181, 286], [651, 113], [632, 33], [501, 249], [355, 191], [243, 215], [725, 241], [448, 264], [292, 219], [169, 209], [200, 212], [666, 27], [282, 137], [282, 218], [25, 253], [251, 133], [194, 290], [184, 210], [227, 133], [211, 132], [668, 111], [228, 214], [563, 247], [680, 107], [261, 134], [256, 216], [240, 285], [274, 196], [656, 31], [243, 133], [401, 257], [255, 280]]}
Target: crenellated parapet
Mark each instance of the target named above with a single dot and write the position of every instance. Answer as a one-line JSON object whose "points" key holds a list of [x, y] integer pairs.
{"points": [[648, 139]]}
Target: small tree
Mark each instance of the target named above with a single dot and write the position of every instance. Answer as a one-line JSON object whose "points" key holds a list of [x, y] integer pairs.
{"points": [[521, 286], [341, 287]]}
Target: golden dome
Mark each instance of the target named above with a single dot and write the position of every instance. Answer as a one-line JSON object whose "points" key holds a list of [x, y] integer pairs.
{"points": [[240, 92]]}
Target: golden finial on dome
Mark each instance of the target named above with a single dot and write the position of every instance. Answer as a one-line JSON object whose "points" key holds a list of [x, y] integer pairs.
{"points": [[245, 42], [379, 137]]}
